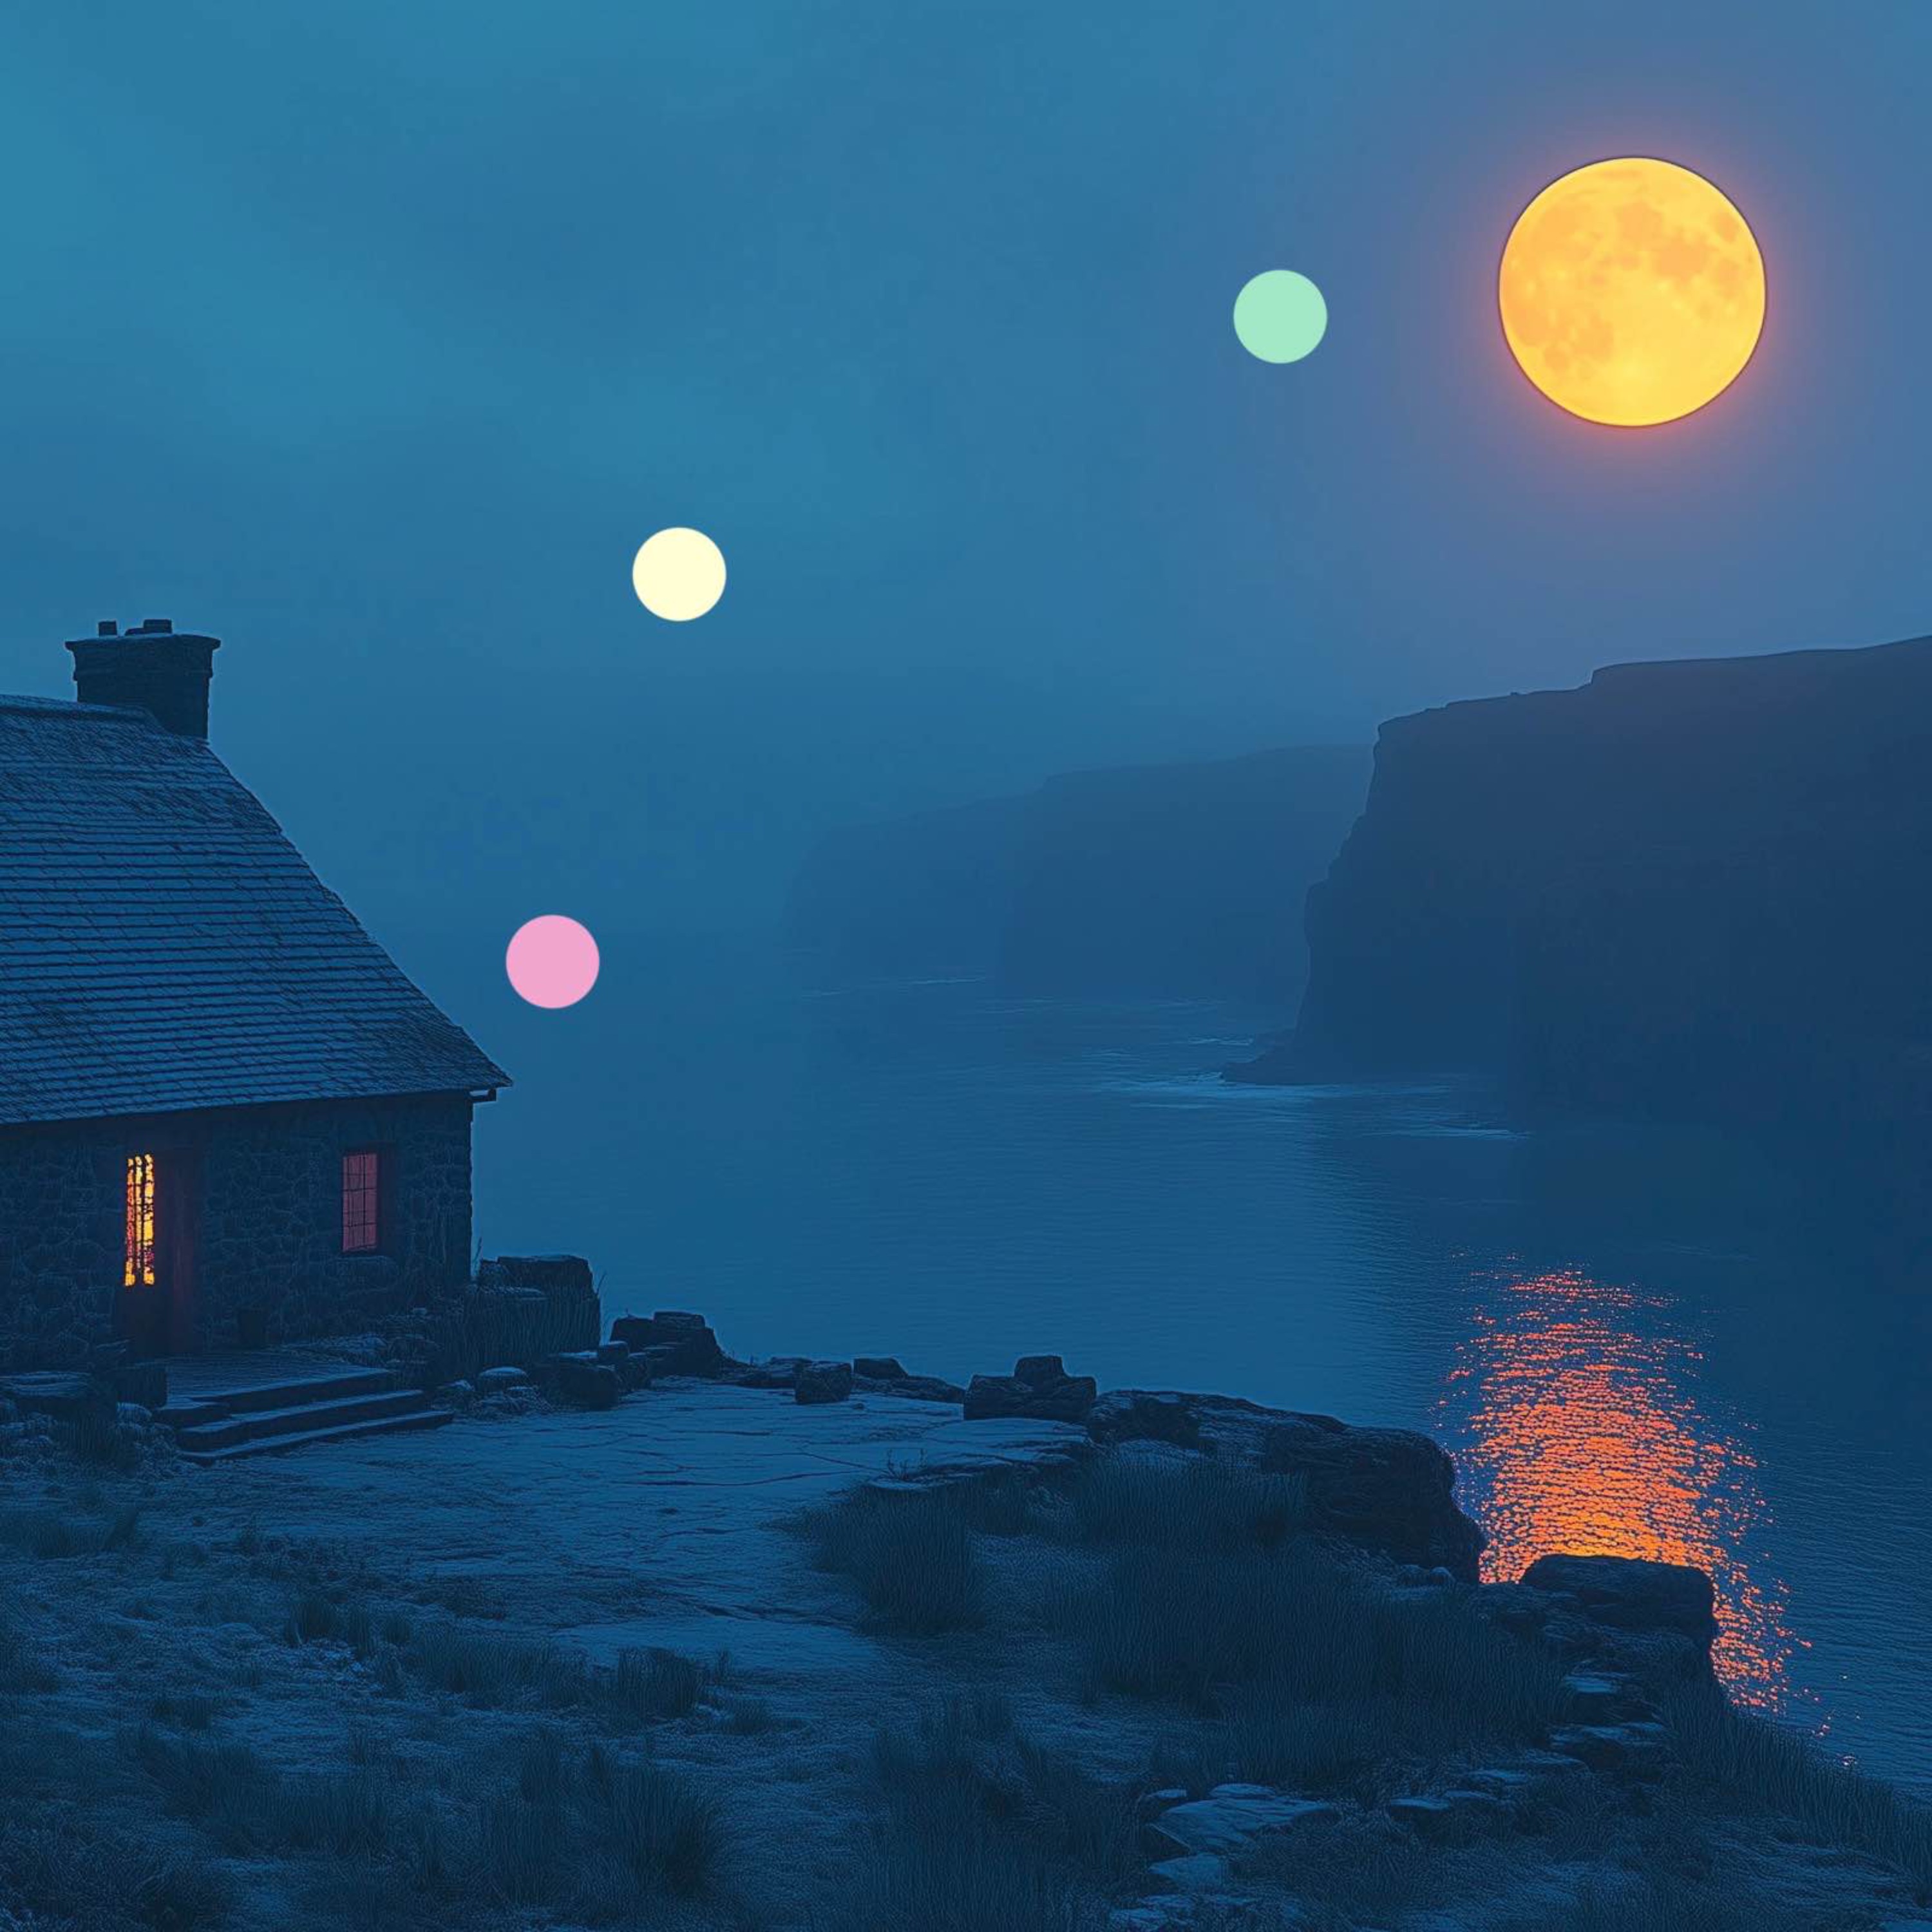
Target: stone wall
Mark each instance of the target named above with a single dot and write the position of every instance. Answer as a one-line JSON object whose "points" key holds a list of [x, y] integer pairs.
{"points": [[256, 1192]]}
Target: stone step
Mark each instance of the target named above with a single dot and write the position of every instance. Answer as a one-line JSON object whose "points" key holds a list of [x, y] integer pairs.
{"points": [[271, 1445], [334, 1385], [299, 1418], [178, 1415]]}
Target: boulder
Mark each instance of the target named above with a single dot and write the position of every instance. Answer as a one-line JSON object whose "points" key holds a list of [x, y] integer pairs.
{"points": [[1044, 1393], [673, 1342], [824, 1382], [494, 1381], [1386, 1490], [1627, 1593], [878, 1368], [582, 1381]]}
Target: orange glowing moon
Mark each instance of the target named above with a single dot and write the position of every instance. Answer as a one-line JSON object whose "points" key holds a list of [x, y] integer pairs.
{"points": [[1631, 291]]}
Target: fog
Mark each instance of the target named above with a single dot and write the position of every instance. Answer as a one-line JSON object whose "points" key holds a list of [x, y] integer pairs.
{"points": [[375, 339]]}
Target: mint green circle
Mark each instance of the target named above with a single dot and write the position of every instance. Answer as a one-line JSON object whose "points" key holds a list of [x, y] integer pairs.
{"points": [[1280, 316]]}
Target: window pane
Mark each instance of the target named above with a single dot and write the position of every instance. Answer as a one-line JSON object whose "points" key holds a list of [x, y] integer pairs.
{"points": [[362, 1200], [139, 1270]]}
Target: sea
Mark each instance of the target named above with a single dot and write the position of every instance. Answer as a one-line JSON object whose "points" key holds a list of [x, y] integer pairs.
{"points": [[1657, 1344]]}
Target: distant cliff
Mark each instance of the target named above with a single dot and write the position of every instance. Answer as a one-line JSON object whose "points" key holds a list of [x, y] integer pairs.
{"points": [[1700, 888], [1181, 880]]}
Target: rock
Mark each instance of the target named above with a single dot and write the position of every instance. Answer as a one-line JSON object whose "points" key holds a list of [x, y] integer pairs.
{"points": [[1195, 1912], [1229, 1819], [1197, 1871], [777, 1372], [884, 1375], [1592, 1697], [60, 1393], [1453, 1817], [569, 1273], [1387, 1489], [1151, 1804], [582, 1381], [1045, 1392], [133, 1415], [923, 1388], [1635, 1749], [673, 1342], [494, 1381], [824, 1382], [456, 1395], [615, 1354], [1625, 1593]]}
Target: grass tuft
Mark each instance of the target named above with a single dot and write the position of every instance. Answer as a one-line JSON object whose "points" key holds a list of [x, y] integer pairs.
{"points": [[909, 1551]]}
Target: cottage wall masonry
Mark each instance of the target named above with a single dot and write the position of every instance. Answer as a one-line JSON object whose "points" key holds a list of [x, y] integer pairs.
{"points": [[225, 1115]]}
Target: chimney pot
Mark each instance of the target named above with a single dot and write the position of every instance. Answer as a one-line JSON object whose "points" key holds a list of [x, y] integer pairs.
{"points": [[158, 623], [105, 628]]}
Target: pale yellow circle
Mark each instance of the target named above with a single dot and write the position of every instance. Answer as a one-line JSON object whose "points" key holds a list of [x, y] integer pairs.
{"points": [[678, 574], [1632, 292]]}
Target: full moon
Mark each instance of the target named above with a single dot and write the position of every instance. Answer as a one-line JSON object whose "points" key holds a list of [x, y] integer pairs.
{"points": [[1632, 292]]}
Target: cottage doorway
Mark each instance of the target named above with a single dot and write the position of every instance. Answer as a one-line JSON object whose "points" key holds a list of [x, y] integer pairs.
{"points": [[158, 1252]]}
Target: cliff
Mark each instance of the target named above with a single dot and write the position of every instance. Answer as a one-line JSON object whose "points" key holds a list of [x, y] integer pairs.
{"points": [[1694, 889], [1179, 881]]}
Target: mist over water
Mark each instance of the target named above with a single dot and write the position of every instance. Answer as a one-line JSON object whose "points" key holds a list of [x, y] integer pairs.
{"points": [[1602, 1327]]}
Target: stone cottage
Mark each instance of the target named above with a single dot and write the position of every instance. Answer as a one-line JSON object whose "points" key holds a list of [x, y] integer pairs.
{"points": [[226, 1116]]}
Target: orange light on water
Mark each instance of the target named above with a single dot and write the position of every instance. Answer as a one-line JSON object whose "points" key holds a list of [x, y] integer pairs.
{"points": [[1585, 1432]]}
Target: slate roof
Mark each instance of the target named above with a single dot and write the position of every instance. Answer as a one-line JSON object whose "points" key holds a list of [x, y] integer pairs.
{"points": [[163, 947]]}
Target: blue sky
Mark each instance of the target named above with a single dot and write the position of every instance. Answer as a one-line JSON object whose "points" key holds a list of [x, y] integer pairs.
{"points": [[374, 337]]}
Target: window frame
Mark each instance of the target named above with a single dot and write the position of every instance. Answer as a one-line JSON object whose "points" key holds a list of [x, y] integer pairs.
{"points": [[376, 1222]]}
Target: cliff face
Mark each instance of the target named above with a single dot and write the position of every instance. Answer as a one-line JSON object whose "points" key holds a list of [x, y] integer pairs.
{"points": [[1182, 881], [1697, 889], [1177, 881]]}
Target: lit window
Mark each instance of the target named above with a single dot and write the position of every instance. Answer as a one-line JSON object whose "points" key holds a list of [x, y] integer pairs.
{"points": [[361, 1200], [139, 1270]]}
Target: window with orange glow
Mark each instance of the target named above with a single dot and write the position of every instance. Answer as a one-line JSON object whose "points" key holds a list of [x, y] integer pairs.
{"points": [[139, 1270], [361, 1200]]}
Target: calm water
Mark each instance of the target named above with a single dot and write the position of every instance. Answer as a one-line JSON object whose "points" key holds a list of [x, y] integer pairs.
{"points": [[1638, 1343]]}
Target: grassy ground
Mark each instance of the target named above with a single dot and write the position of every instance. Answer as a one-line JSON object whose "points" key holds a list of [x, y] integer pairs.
{"points": [[206, 1724]]}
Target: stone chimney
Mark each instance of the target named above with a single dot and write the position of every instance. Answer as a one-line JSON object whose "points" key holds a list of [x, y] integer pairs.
{"points": [[154, 667]]}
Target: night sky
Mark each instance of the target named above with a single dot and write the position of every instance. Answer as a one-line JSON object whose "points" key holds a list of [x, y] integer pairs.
{"points": [[375, 337]]}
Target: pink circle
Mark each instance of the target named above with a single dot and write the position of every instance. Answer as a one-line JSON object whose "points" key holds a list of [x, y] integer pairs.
{"points": [[552, 961]]}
